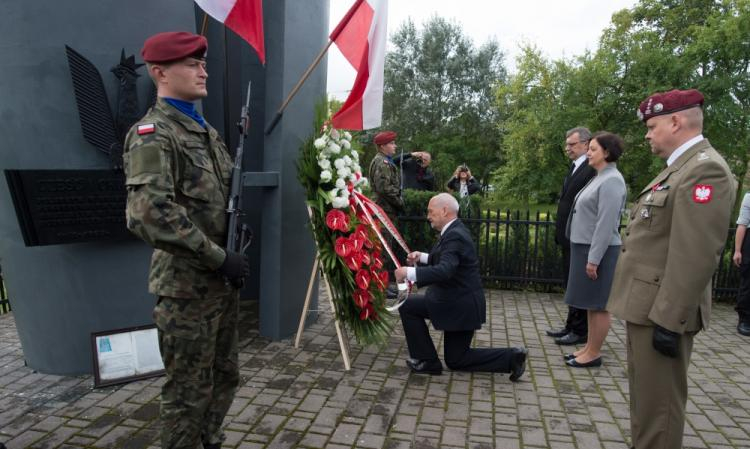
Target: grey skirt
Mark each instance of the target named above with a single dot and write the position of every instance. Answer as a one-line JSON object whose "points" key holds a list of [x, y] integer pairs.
{"points": [[582, 292]]}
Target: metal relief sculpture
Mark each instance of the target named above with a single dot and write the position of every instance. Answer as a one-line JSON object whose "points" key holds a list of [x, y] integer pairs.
{"points": [[100, 127], [73, 206]]}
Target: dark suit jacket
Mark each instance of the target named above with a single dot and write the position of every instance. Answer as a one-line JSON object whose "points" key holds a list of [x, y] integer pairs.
{"points": [[414, 175], [570, 189], [455, 298]]}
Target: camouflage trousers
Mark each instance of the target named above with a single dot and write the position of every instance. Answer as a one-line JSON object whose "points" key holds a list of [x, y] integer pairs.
{"points": [[198, 343]]}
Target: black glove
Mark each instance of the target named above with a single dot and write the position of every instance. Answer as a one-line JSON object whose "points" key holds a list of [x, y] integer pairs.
{"points": [[236, 268], [666, 341]]}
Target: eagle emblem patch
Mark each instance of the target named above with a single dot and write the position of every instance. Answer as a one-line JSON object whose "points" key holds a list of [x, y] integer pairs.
{"points": [[702, 193]]}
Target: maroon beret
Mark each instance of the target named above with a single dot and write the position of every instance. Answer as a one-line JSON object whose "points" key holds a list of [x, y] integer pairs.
{"points": [[662, 103], [173, 46], [383, 137]]}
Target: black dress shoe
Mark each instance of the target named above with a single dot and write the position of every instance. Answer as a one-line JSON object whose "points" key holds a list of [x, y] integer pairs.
{"points": [[590, 364], [571, 338], [569, 356], [557, 333], [425, 366], [518, 363], [744, 328]]}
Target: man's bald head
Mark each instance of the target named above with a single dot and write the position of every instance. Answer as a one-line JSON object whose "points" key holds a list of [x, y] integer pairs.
{"points": [[442, 209]]}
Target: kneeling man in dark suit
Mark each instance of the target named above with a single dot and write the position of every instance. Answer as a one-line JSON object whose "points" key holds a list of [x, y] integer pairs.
{"points": [[454, 301]]}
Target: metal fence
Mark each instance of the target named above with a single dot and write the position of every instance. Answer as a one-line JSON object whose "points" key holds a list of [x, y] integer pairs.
{"points": [[517, 250]]}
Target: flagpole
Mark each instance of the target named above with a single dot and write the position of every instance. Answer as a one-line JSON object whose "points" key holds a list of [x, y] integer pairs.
{"points": [[294, 90]]}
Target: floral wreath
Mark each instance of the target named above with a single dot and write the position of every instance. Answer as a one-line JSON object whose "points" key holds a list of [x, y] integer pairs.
{"points": [[349, 248]]}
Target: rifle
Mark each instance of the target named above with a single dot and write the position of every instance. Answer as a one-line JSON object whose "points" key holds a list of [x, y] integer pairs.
{"points": [[239, 236]]}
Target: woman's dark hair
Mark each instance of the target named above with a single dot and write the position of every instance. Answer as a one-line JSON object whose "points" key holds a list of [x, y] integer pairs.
{"points": [[610, 142]]}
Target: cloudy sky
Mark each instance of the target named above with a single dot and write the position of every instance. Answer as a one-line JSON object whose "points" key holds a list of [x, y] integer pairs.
{"points": [[560, 28]]}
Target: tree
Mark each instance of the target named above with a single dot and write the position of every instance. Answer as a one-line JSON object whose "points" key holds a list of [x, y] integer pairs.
{"points": [[657, 45], [439, 96]]}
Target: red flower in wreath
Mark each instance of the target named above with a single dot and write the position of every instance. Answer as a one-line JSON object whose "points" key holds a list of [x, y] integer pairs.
{"points": [[377, 280], [361, 298], [363, 233], [377, 261], [366, 258], [357, 244], [383, 276], [337, 220], [353, 261], [368, 312], [362, 278], [343, 247]]}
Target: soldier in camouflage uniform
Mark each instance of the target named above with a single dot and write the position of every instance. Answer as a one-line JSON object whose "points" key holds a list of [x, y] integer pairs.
{"points": [[177, 175], [385, 176], [385, 179]]}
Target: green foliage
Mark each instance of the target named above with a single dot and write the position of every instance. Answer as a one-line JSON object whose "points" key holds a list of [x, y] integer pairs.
{"points": [[439, 97], [655, 46]]}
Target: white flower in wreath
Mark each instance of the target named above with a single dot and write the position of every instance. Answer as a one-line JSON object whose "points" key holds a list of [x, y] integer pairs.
{"points": [[363, 182], [340, 184], [320, 143], [325, 164], [355, 155], [347, 161], [333, 148], [346, 145], [340, 203], [343, 172], [335, 133], [347, 135], [325, 176], [339, 163], [345, 193]]}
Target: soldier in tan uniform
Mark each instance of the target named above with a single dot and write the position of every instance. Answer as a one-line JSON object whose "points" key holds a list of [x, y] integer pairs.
{"points": [[671, 247], [177, 174]]}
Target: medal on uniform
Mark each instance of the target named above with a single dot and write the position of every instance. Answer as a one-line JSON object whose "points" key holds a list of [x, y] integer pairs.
{"points": [[644, 213]]}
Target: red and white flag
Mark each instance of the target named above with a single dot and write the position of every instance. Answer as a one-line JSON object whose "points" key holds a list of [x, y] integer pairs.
{"points": [[361, 36], [244, 17]]}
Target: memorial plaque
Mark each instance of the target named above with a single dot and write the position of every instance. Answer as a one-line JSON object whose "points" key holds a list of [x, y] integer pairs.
{"points": [[68, 206]]}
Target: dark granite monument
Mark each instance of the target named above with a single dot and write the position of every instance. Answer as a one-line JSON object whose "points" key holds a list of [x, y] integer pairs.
{"points": [[70, 266]]}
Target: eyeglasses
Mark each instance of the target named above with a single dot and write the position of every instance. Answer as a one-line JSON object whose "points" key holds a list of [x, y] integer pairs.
{"points": [[572, 144]]}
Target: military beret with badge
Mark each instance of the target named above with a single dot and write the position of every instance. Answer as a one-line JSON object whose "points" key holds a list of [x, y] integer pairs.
{"points": [[675, 100]]}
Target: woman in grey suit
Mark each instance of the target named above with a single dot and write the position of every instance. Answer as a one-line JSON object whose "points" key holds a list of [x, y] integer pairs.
{"points": [[593, 229]]}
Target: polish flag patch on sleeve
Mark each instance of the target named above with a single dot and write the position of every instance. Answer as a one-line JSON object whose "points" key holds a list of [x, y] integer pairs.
{"points": [[702, 193], [148, 128]]}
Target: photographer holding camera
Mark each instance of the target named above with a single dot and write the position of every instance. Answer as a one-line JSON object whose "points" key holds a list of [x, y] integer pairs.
{"points": [[415, 171], [463, 182]]}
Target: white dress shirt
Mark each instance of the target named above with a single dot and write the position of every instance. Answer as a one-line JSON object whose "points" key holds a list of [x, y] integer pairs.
{"points": [[683, 148]]}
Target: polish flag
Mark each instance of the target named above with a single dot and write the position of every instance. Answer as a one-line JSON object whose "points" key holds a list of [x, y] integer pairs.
{"points": [[361, 36], [244, 17]]}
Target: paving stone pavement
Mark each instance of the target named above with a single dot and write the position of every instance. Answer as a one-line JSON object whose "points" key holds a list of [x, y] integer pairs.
{"points": [[303, 398]]}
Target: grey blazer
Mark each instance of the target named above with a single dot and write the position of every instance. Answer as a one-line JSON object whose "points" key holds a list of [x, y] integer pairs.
{"points": [[595, 219]]}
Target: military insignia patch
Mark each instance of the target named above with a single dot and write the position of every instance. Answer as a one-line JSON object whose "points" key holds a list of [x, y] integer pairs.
{"points": [[148, 128], [702, 193]]}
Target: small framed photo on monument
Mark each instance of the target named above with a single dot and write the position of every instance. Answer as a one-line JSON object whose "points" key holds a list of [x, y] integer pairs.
{"points": [[125, 355]]}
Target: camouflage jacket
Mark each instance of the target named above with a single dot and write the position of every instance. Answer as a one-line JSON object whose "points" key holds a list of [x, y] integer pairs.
{"points": [[385, 179], [177, 177]]}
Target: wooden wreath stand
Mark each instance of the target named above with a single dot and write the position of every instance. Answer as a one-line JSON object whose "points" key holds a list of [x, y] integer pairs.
{"points": [[340, 330]]}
